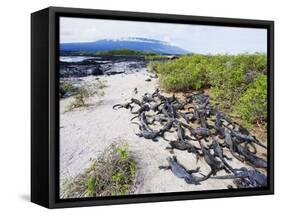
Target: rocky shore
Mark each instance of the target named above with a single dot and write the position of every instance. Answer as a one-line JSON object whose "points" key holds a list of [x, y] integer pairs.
{"points": [[100, 65]]}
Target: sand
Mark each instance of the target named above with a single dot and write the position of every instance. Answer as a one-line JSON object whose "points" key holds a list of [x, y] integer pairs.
{"points": [[86, 132]]}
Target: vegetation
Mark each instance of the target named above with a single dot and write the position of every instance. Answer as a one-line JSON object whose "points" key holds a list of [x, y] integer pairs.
{"points": [[232, 80], [112, 173], [125, 52], [84, 92], [252, 105], [147, 55], [181, 74], [156, 57], [67, 89]]}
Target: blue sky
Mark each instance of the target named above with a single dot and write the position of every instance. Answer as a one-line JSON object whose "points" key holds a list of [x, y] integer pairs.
{"points": [[194, 38]]}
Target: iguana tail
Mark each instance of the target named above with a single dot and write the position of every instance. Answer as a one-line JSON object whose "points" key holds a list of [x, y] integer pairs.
{"points": [[205, 177], [225, 177], [260, 144]]}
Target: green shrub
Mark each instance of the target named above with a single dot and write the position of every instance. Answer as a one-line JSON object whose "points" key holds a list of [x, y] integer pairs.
{"points": [[91, 185], [227, 85], [152, 65], [112, 173], [88, 90], [228, 76], [123, 152], [152, 57], [252, 105], [79, 99], [182, 74], [66, 88]]}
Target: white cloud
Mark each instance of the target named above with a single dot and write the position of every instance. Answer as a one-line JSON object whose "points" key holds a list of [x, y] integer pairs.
{"points": [[195, 38]]}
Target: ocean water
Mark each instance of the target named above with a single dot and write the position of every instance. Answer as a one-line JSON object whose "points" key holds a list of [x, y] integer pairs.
{"points": [[76, 58]]}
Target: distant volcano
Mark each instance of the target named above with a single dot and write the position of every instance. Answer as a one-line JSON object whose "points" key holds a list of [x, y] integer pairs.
{"points": [[136, 43]]}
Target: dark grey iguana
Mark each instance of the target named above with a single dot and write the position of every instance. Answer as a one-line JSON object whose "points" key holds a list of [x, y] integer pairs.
{"points": [[254, 177], [248, 138], [219, 153], [210, 159], [184, 146], [181, 172], [125, 105], [250, 157]]}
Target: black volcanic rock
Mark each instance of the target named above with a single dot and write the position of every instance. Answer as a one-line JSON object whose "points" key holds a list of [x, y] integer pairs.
{"points": [[77, 70], [106, 65]]}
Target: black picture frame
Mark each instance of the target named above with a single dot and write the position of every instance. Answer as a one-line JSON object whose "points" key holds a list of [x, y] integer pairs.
{"points": [[45, 106]]}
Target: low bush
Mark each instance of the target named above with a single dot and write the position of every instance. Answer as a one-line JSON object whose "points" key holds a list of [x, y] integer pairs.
{"points": [[227, 76], [112, 173], [156, 57], [66, 89], [252, 105], [182, 74], [88, 90]]}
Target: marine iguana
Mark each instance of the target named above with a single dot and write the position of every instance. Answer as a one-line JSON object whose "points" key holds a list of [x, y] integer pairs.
{"points": [[154, 76], [199, 132], [210, 159], [155, 107], [143, 108], [202, 99], [181, 132], [230, 144], [189, 99], [248, 145], [243, 130], [135, 90], [220, 131], [193, 115], [170, 110], [145, 130], [161, 118], [147, 98], [167, 126], [144, 122], [203, 105], [256, 178], [188, 117], [242, 183], [181, 172], [148, 134], [184, 146], [136, 101], [248, 138], [171, 99], [178, 105], [202, 118], [218, 152], [125, 105], [219, 126], [164, 111], [155, 93], [181, 143], [250, 157]]}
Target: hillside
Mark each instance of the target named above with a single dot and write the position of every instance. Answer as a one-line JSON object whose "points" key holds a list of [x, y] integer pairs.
{"points": [[137, 44]]}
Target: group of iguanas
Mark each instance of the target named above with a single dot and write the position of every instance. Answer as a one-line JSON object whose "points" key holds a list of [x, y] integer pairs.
{"points": [[213, 127]]}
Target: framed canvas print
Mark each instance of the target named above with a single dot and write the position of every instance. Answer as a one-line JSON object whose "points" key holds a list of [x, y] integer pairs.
{"points": [[138, 107]]}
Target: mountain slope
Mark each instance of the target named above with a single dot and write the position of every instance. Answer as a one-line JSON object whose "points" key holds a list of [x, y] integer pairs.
{"points": [[138, 44]]}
